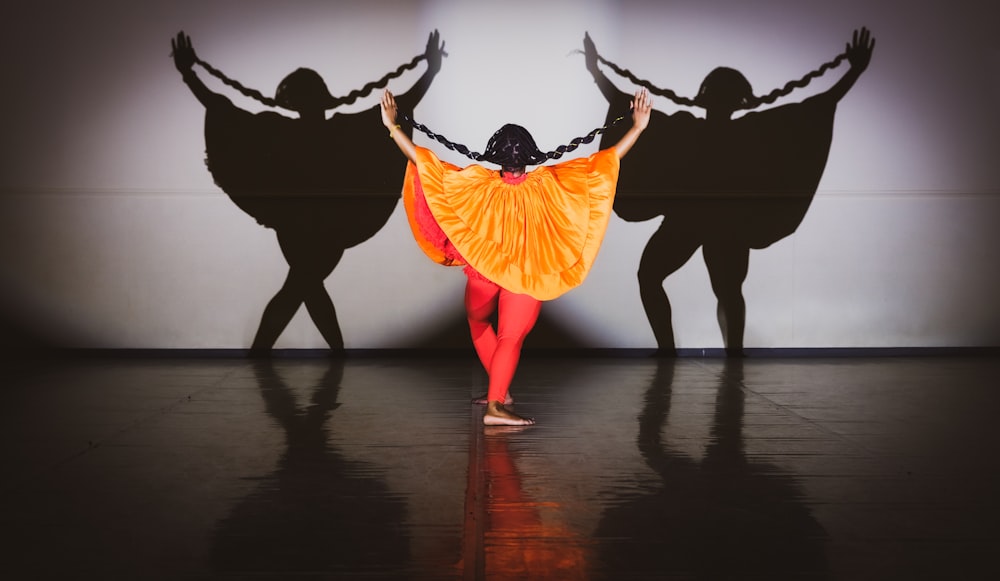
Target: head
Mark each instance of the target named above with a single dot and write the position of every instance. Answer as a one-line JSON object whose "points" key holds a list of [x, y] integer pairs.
{"points": [[725, 90], [303, 91], [513, 148]]}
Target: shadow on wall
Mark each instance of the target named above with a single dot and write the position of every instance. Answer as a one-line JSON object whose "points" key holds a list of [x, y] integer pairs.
{"points": [[322, 184], [721, 184]]}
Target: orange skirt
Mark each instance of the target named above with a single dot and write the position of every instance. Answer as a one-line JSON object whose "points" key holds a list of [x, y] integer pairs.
{"points": [[538, 237]]}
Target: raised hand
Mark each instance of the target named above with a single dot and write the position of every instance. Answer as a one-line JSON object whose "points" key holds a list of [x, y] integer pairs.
{"points": [[642, 107], [434, 51], [859, 50], [183, 52], [399, 137], [388, 106]]}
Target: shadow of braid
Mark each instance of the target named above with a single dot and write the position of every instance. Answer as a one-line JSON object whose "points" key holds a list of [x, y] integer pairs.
{"points": [[757, 101], [252, 93], [333, 103], [379, 84], [799, 84], [648, 85]]}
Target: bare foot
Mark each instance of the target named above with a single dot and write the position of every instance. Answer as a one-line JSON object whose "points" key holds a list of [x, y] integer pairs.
{"points": [[481, 400], [497, 415], [503, 431]]}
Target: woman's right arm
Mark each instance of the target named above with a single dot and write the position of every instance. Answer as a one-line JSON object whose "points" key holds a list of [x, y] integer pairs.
{"points": [[402, 140], [642, 106]]}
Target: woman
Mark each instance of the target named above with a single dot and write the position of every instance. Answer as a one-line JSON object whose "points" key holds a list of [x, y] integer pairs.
{"points": [[524, 237]]}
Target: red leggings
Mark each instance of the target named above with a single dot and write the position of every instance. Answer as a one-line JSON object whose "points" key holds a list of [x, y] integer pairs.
{"points": [[498, 351]]}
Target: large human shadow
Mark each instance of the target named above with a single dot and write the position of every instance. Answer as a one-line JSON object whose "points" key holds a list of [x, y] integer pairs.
{"points": [[317, 513], [723, 184], [724, 517], [322, 184]]}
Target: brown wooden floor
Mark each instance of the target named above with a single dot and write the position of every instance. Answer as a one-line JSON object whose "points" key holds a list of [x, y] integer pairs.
{"points": [[378, 468]]}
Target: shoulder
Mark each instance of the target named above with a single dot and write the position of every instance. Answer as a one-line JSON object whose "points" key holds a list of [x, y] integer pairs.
{"points": [[428, 159]]}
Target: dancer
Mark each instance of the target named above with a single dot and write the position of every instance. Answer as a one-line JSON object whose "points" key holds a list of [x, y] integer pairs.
{"points": [[323, 184], [523, 236], [721, 184]]}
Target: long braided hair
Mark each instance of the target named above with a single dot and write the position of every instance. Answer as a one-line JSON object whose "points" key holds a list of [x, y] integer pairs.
{"points": [[512, 146], [304, 88], [744, 97]]}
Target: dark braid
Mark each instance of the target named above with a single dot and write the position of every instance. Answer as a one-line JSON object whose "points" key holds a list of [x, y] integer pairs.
{"points": [[576, 142], [756, 102], [476, 156], [442, 139], [334, 101]]}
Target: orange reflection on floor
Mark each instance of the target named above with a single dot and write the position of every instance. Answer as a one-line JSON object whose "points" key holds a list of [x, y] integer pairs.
{"points": [[523, 538]]}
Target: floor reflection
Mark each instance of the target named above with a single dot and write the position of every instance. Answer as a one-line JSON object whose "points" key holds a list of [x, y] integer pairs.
{"points": [[317, 512], [524, 537], [722, 517], [821, 469]]}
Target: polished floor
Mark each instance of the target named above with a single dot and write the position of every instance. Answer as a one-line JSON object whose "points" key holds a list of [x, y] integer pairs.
{"points": [[378, 468]]}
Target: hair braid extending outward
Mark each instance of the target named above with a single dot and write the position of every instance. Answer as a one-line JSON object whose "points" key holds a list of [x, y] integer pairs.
{"points": [[755, 102], [799, 84], [474, 155], [334, 102]]}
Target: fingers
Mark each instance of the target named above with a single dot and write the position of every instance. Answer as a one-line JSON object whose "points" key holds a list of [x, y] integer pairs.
{"points": [[434, 40], [181, 41], [866, 39], [642, 101], [180, 48], [388, 101], [862, 37], [435, 45]]}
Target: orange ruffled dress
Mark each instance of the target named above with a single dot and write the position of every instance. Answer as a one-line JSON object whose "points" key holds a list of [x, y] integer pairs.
{"points": [[538, 237]]}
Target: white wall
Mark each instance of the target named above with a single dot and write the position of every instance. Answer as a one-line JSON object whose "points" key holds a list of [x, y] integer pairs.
{"points": [[112, 233]]}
